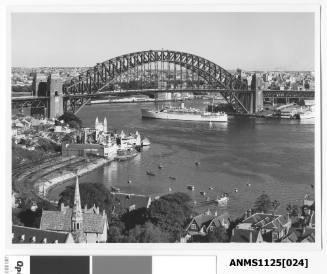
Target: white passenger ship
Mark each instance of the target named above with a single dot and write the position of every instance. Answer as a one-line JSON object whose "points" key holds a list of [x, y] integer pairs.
{"points": [[185, 114]]}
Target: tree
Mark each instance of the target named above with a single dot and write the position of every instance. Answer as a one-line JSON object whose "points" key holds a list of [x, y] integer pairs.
{"points": [[293, 210], [147, 233], [91, 194], [71, 119], [263, 204], [275, 205], [135, 217], [217, 235], [170, 213]]}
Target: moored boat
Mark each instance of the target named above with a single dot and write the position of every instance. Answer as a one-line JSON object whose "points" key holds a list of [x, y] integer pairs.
{"points": [[223, 199], [191, 187], [150, 173]]}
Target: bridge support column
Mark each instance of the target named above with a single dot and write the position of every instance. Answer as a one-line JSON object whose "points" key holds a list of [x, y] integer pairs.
{"points": [[39, 85], [258, 94], [56, 96]]}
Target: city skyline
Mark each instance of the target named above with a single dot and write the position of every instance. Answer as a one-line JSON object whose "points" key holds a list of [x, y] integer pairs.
{"points": [[262, 41]]}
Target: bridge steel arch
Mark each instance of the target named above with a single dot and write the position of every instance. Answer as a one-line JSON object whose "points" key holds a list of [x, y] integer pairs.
{"points": [[96, 79]]}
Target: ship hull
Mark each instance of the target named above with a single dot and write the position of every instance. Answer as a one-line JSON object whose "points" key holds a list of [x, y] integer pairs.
{"points": [[183, 117]]}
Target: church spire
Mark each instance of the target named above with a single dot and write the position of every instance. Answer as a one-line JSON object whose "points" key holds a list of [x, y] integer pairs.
{"points": [[77, 214], [105, 125]]}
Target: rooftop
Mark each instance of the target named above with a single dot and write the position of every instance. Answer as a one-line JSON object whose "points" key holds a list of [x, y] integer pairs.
{"points": [[27, 235]]}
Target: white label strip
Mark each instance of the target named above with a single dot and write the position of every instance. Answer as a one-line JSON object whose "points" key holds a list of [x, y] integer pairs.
{"points": [[184, 264]]}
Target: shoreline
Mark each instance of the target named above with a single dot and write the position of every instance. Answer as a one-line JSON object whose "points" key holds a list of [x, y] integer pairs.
{"points": [[43, 187]]}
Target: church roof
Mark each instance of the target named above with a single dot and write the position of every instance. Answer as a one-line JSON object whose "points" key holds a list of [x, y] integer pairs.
{"points": [[61, 221], [26, 235]]}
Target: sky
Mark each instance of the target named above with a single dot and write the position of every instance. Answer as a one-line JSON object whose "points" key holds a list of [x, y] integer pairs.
{"points": [[250, 41]]}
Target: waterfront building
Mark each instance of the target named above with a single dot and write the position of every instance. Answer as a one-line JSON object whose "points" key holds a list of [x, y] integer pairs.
{"points": [[30, 235], [100, 127], [86, 225]]}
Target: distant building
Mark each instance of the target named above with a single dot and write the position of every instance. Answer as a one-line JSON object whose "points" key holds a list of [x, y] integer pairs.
{"points": [[29, 235], [86, 226], [262, 227], [72, 149]]}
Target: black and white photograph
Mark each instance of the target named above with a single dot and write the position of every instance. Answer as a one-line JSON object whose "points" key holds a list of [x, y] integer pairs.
{"points": [[164, 127]]}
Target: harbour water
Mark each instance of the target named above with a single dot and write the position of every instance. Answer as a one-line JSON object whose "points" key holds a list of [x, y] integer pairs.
{"points": [[273, 156]]}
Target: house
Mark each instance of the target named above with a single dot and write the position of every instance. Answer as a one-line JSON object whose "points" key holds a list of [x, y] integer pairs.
{"points": [[129, 202], [308, 212], [246, 236], [308, 235], [272, 227], [29, 235], [88, 225], [199, 224], [219, 221], [203, 223]]}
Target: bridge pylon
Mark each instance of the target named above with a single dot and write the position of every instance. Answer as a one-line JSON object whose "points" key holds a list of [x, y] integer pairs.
{"points": [[56, 106]]}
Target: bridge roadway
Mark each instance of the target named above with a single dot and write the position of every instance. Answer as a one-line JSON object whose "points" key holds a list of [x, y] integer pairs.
{"points": [[266, 93]]}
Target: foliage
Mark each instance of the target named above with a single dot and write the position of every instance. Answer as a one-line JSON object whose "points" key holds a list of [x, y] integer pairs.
{"points": [[147, 233], [71, 119], [47, 145], [263, 204], [20, 155], [170, 213], [91, 194], [30, 218], [218, 235], [135, 217]]}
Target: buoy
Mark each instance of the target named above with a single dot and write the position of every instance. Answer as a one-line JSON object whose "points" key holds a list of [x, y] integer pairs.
{"points": [[170, 189], [148, 172]]}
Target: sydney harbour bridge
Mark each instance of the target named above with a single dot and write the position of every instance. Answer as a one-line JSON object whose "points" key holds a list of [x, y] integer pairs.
{"points": [[149, 72]]}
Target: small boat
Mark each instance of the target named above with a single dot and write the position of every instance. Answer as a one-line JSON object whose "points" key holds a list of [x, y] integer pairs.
{"points": [[160, 166], [145, 142], [197, 163], [248, 184], [203, 193], [223, 199], [211, 187], [172, 177], [129, 181], [191, 187], [148, 172], [170, 189], [235, 190], [115, 189]]}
